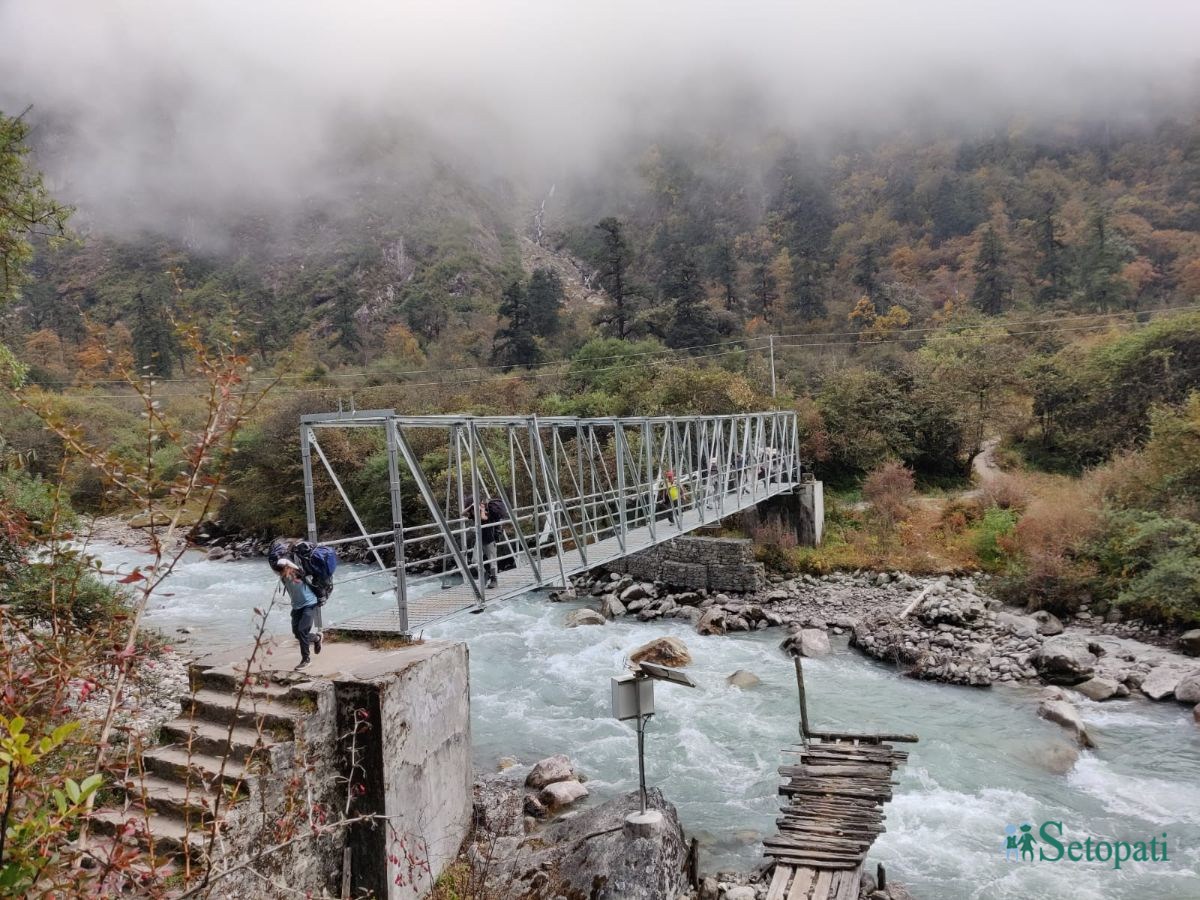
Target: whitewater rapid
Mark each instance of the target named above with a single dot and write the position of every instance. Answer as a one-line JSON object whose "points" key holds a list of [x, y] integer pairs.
{"points": [[538, 688]]}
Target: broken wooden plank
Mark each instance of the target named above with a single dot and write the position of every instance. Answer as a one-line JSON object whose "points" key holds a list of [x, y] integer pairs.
{"points": [[821, 888], [779, 882], [851, 881], [802, 884], [865, 738]]}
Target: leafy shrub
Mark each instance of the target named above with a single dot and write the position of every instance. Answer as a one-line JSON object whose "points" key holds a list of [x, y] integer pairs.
{"points": [[889, 490], [1149, 565], [989, 536]]}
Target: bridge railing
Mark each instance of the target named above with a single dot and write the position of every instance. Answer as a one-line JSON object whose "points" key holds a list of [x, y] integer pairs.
{"points": [[577, 492]]}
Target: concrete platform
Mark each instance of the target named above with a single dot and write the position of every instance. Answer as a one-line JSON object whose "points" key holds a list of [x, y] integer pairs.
{"points": [[341, 659]]}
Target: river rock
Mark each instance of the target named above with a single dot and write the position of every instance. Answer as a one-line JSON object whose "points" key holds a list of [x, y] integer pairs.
{"points": [[1048, 624], [665, 651], [583, 617], [712, 622], [1160, 683], [590, 854], [1063, 713], [635, 591], [562, 793], [740, 892], [499, 806], [1189, 642], [1188, 689], [743, 679], [1098, 688], [611, 607], [1021, 626], [548, 771], [810, 642], [1064, 660]]}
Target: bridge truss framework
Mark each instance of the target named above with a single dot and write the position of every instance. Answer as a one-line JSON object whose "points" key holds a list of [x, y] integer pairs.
{"points": [[579, 492]]}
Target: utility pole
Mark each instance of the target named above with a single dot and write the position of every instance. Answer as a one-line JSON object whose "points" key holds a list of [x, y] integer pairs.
{"points": [[771, 338]]}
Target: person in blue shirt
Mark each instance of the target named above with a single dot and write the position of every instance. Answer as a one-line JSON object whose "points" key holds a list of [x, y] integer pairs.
{"points": [[304, 608]]}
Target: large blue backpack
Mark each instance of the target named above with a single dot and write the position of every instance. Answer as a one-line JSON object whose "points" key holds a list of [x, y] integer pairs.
{"points": [[319, 565]]}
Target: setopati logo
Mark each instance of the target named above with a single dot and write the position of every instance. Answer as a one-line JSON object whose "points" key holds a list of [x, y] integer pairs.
{"points": [[1022, 845]]}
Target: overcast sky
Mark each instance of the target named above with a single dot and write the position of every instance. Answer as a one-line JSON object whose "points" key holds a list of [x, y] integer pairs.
{"points": [[229, 99]]}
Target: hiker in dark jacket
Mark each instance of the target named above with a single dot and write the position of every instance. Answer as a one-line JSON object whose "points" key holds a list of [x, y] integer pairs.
{"points": [[490, 516], [304, 608]]}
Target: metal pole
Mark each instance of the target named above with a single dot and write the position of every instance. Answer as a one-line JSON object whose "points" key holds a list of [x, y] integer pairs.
{"points": [[641, 733], [476, 486], [772, 345], [310, 506], [397, 528]]}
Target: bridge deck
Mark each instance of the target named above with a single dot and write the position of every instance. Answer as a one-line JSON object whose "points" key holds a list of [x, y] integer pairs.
{"points": [[442, 602]]}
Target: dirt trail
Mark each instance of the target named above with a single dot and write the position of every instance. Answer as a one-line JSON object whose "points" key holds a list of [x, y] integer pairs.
{"points": [[984, 467]]}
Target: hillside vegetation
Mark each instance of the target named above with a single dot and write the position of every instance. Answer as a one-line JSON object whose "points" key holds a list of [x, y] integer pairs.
{"points": [[925, 293]]}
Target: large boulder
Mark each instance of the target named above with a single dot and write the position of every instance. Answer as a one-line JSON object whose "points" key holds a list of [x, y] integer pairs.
{"points": [[1063, 713], [1048, 623], [1021, 626], [1188, 689], [611, 607], [1160, 682], [548, 771], [591, 854], [1098, 688], [583, 617], [712, 622], [499, 806], [1189, 642], [636, 591], [561, 793], [743, 679], [810, 642], [665, 651], [1064, 660]]}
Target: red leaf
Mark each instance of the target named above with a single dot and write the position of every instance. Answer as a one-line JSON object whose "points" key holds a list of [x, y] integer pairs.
{"points": [[133, 576]]}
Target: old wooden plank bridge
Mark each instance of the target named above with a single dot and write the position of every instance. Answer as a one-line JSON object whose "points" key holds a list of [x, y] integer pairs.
{"points": [[833, 796]]}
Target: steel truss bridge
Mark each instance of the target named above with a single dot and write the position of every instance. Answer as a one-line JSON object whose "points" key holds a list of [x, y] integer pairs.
{"points": [[579, 492]]}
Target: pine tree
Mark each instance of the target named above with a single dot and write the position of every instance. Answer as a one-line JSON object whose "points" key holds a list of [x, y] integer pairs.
{"points": [[1052, 266], [723, 269], [343, 319], [614, 278], [1100, 261], [991, 280], [153, 339], [692, 322], [515, 342], [866, 270], [544, 296]]}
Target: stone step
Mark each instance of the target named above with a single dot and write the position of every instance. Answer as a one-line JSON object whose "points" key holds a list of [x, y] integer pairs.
{"points": [[225, 680], [192, 803], [215, 738], [171, 834], [273, 716], [176, 764]]}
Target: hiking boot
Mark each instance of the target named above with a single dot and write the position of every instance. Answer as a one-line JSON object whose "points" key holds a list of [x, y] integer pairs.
{"points": [[491, 582], [317, 644], [301, 665]]}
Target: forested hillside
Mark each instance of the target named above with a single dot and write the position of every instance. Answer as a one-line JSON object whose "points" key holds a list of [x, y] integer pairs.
{"points": [[921, 293], [691, 241]]}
